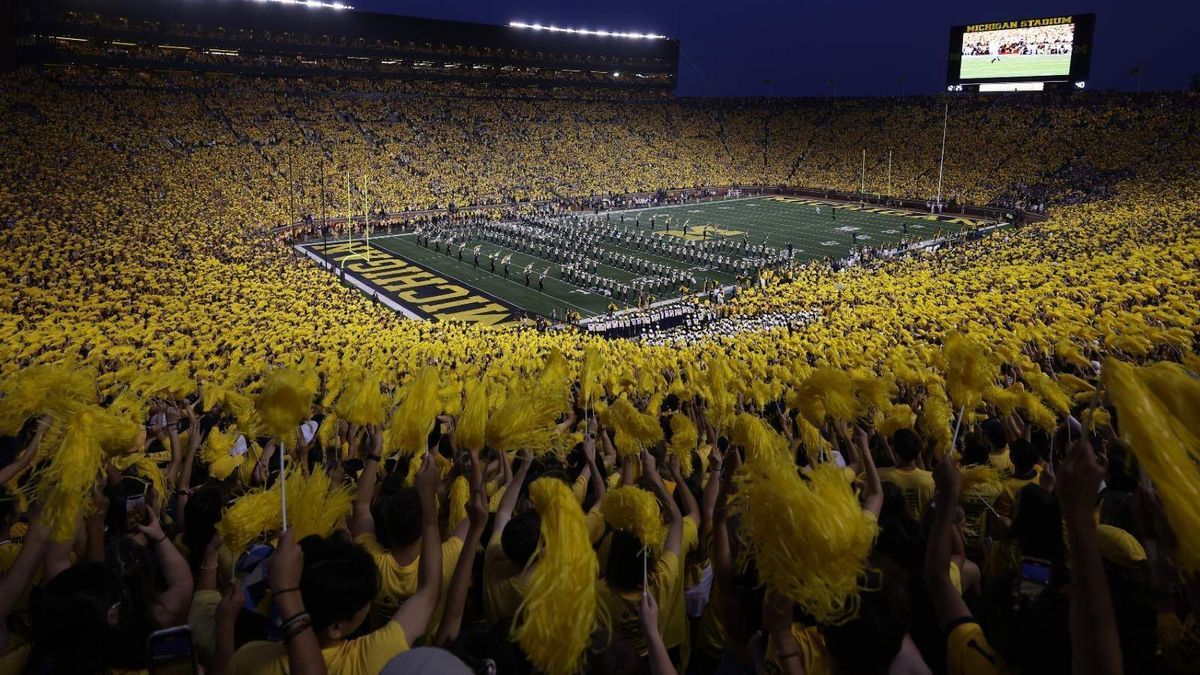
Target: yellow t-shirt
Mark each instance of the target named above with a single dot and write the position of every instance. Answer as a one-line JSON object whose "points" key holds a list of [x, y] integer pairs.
{"points": [[202, 619], [1001, 462], [968, 651], [675, 628], [975, 502], [398, 582], [623, 606], [366, 655], [1120, 547], [917, 486], [1010, 488], [813, 655], [504, 584], [710, 633]]}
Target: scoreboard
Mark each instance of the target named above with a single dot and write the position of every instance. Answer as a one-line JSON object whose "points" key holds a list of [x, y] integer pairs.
{"points": [[1021, 54]]}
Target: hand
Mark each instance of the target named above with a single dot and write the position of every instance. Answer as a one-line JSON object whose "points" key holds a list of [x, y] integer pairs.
{"points": [[648, 614], [477, 510], [173, 416], [673, 467], [214, 544], [948, 481], [376, 433], [152, 529], [649, 465], [1078, 481], [777, 612], [427, 478], [231, 604], [99, 502], [286, 563]]}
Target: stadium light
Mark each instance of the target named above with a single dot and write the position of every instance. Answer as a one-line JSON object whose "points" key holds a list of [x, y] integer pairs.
{"points": [[311, 3], [585, 31]]}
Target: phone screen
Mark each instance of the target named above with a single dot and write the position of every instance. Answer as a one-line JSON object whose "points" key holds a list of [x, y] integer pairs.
{"points": [[1035, 575], [171, 651]]}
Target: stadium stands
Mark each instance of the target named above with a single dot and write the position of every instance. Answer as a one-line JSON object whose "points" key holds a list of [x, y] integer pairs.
{"points": [[711, 499]]}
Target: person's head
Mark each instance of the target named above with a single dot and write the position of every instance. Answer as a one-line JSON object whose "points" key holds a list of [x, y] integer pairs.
{"points": [[1038, 524], [81, 624], [201, 515], [624, 569], [993, 434], [882, 622], [337, 585], [974, 452], [1023, 455], [397, 513], [907, 444], [519, 539]]}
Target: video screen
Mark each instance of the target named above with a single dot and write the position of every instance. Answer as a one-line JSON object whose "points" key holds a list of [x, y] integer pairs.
{"points": [[1017, 52]]}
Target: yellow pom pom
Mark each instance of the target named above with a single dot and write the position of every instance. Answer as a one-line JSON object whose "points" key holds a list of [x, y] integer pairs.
{"points": [[1164, 447], [42, 390], [218, 444], [285, 401], [362, 402], [899, 416], [827, 391], [590, 373], [935, 420], [969, 372], [315, 504], [460, 494], [976, 478], [634, 510], [633, 430], [808, 538], [684, 441], [555, 620], [248, 518], [471, 426], [415, 416], [65, 485]]}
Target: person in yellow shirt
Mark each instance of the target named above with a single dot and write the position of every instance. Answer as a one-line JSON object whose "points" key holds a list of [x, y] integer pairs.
{"points": [[997, 446], [916, 483], [338, 582], [388, 527], [506, 571], [977, 501], [629, 571], [1025, 472]]}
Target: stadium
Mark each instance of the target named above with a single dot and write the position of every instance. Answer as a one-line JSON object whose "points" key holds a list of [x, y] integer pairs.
{"points": [[343, 341]]}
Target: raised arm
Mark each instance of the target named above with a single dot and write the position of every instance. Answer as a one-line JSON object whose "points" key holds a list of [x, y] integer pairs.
{"points": [[511, 493], [283, 573], [460, 581], [674, 543], [26, 457], [183, 490], [361, 520], [947, 603], [713, 487], [873, 491], [170, 608], [691, 508], [1094, 644], [19, 576], [599, 489], [414, 614]]}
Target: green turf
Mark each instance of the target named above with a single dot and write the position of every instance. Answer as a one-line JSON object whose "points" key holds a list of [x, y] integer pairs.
{"points": [[779, 222], [979, 67]]}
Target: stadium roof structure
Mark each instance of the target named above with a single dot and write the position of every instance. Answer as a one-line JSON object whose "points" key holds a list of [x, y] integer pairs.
{"points": [[51, 32]]}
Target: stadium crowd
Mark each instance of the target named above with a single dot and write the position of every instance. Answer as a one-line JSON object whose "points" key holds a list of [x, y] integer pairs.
{"points": [[978, 459]]}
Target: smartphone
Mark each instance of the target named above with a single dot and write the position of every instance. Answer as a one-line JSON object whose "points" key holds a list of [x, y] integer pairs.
{"points": [[1034, 577], [135, 512], [171, 651]]}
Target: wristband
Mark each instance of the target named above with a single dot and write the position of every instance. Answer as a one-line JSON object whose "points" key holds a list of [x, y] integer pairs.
{"points": [[374, 458], [304, 624], [157, 541], [285, 590], [295, 618]]}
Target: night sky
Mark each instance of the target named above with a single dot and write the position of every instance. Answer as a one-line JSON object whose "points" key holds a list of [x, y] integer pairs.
{"points": [[793, 48]]}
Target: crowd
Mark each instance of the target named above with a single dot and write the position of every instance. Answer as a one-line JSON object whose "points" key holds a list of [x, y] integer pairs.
{"points": [[976, 459]]}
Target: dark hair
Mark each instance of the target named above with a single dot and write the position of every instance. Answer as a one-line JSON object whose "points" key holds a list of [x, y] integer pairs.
{"points": [[397, 513], [201, 515], [338, 580], [993, 431], [520, 537], [1023, 455], [625, 566], [882, 622], [907, 444], [1038, 526], [71, 630], [974, 452]]}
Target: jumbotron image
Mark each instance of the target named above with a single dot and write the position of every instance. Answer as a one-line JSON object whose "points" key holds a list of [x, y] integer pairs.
{"points": [[342, 341]]}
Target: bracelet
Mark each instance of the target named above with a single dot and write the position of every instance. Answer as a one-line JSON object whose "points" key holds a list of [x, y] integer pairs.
{"points": [[292, 620], [374, 458], [297, 629], [208, 568], [157, 541], [285, 590], [784, 657]]}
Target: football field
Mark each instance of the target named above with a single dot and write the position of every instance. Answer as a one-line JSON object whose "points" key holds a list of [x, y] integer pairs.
{"points": [[435, 284], [1033, 65]]}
